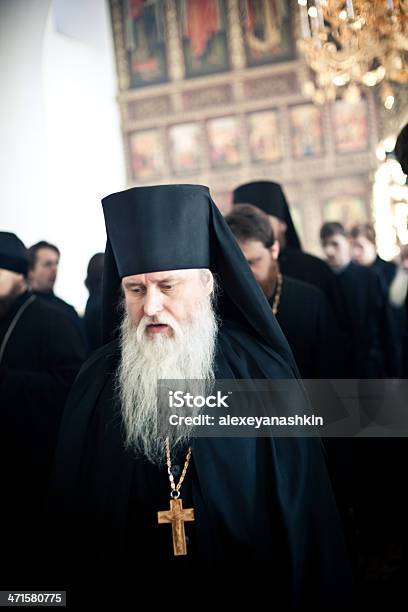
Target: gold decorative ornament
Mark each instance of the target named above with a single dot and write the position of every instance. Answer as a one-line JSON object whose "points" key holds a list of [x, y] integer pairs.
{"points": [[354, 43], [278, 292]]}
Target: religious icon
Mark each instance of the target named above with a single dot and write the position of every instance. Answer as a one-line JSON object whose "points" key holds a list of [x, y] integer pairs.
{"points": [[223, 141], [185, 147], [350, 126], [266, 27], [204, 39], [346, 209], [145, 43], [307, 133], [264, 137], [146, 154]]}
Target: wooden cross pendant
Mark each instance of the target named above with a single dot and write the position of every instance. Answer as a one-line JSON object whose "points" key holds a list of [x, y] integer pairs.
{"points": [[177, 516]]}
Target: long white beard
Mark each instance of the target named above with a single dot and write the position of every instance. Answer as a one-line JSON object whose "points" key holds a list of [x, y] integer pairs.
{"points": [[187, 354]]}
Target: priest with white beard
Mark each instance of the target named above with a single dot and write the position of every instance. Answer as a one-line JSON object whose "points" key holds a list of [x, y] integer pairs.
{"points": [[168, 331], [125, 500]]}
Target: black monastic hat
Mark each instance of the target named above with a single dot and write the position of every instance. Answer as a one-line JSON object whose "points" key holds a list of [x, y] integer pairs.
{"points": [[269, 197], [174, 227]]}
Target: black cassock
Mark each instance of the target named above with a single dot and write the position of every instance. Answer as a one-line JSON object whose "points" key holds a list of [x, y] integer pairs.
{"points": [[259, 499], [67, 309], [308, 323], [366, 324], [307, 268], [93, 320], [307, 320], [40, 361], [385, 269], [367, 329]]}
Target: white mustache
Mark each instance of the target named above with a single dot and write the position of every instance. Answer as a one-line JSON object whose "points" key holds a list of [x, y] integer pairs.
{"points": [[163, 319], [188, 355]]}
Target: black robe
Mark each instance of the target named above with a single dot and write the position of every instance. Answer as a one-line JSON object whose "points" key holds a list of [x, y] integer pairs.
{"points": [[397, 319], [67, 309], [307, 320], [255, 499], [365, 321], [377, 461], [309, 269], [93, 320], [385, 269], [42, 357], [308, 323]]}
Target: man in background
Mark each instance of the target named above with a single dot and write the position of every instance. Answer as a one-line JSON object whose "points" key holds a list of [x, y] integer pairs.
{"points": [[43, 261], [311, 329], [41, 352], [309, 325], [364, 253], [364, 317], [362, 310], [294, 262]]}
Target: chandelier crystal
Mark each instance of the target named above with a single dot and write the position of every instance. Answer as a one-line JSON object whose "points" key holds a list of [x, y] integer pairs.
{"points": [[354, 43]]}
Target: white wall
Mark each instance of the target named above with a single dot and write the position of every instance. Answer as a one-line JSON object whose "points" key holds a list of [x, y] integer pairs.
{"points": [[60, 145]]}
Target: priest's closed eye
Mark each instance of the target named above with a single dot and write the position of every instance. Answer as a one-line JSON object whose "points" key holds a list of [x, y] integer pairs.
{"points": [[169, 283], [138, 290]]}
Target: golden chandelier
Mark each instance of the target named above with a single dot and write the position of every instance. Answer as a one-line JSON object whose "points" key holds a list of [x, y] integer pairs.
{"points": [[354, 43]]}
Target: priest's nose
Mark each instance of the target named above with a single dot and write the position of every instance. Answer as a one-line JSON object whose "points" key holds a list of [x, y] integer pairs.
{"points": [[153, 302]]}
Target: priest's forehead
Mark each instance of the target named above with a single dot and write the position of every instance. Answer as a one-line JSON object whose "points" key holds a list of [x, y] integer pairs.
{"points": [[165, 276]]}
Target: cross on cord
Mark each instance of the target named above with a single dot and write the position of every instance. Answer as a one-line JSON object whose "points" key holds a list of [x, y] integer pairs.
{"points": [[177, 517]]}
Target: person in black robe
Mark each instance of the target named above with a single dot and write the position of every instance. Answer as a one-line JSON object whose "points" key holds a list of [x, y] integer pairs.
{"points": [[41, 352], [93, 308], [293, 261], [362, 310], [364, 253], [362, 313], [255, 499], [309, 325], [43, 261], [301, 309]]}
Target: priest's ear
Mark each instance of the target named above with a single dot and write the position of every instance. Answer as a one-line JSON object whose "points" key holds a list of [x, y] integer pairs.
{"points": [[207, 280], [275, 249]]}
